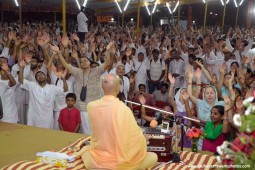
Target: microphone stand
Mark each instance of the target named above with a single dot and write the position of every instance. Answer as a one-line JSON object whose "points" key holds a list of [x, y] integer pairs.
{"points": [[176, 155]]}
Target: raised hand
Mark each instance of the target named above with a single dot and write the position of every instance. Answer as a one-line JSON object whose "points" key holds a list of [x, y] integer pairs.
{"points": [[171, 79], [75, 54], [63, 75], [11, 35], [198, 73], [21, 63], [75, 37], [54, 48], [132, 79], [227, 102], [221, 69], [199, 63], [142, 99], [64, 40], [185, 95]]}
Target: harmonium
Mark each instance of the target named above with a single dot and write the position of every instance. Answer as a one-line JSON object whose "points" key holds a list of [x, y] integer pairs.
{"points": [[159, 143]]}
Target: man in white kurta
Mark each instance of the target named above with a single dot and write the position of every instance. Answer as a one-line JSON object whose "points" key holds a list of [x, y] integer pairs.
{"points": [[41, 99]]}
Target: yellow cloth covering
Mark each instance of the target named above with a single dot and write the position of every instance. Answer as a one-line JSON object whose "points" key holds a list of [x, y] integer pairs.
{"points": [[191, 159], [117, 142]]}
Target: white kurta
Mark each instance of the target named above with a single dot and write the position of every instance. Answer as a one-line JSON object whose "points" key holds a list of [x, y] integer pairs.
{"points": [[9, 105], [41, 103], [141, 72]]}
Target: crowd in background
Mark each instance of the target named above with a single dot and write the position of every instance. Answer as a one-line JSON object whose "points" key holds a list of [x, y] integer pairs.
{"points": [[48, 77]]}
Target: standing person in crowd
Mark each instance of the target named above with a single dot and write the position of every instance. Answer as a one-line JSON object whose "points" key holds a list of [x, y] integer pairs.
{"points": [[82, 24], [7, 93], [155, 71], [121, 144], [69, 118], [41, 98], [87, 80], [140, 64], [177, 68], [55, 76]]}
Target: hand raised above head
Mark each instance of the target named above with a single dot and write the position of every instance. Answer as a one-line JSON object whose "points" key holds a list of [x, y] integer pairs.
{"points": [[142, 99]]}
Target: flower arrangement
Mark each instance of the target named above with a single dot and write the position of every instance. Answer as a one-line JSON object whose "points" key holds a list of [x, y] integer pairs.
{"points": [[241, 151], [194, 134]]}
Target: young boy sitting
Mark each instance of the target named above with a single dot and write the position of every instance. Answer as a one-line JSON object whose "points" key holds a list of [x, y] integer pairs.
{"points": [[70, 119]]}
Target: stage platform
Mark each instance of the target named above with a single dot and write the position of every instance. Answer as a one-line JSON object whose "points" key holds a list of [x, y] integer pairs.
{"points": [[19, 145], [20, 142]]}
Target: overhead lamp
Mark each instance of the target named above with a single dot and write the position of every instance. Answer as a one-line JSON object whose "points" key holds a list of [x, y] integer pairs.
{"points": [[78, 4], [118, 6], [177, 4], [204, 1], [126, 5], [132, 19], [222, 2], [16, 2], [155, 5], [112, 19], [235, 3], [167, 5], [146, 6], [241, 3], [85, 3], [227, 2]]}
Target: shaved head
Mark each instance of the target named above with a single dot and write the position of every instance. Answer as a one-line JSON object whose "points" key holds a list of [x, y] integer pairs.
{"points": [[111, 84]]}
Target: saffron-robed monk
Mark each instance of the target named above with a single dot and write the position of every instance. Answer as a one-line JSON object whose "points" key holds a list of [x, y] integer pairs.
{"points": [[117, 142]]}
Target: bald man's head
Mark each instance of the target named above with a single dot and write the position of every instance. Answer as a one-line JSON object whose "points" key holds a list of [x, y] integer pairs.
{"points": [[111, 84]]}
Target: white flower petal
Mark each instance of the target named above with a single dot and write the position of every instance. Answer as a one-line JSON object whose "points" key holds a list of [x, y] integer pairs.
{"points": [[237, 120], [219, 150], [248, 100], [247, 112], [218, 159]]}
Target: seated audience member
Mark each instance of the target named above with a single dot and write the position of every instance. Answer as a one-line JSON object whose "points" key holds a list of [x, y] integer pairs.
{"points": [[70, 119], [217, 130], [149, 101], [161, 95], [117, 142], [159, 117], [149, 98]]}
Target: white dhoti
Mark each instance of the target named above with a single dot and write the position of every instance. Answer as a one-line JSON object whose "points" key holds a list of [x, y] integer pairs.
{"points": [[85, 124]]}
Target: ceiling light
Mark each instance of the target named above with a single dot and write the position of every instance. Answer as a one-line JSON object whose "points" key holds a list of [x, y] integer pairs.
{"points": [[147, 9], [241, 3], [78, 4], [177, 4], [118, 6], [155, 5], [126, 5], [85, 3], [167, 5], [16, 2], [235, 3], [222, 2]]}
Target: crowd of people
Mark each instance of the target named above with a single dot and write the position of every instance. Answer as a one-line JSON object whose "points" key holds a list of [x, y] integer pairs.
{"points": [[49, 77]]}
